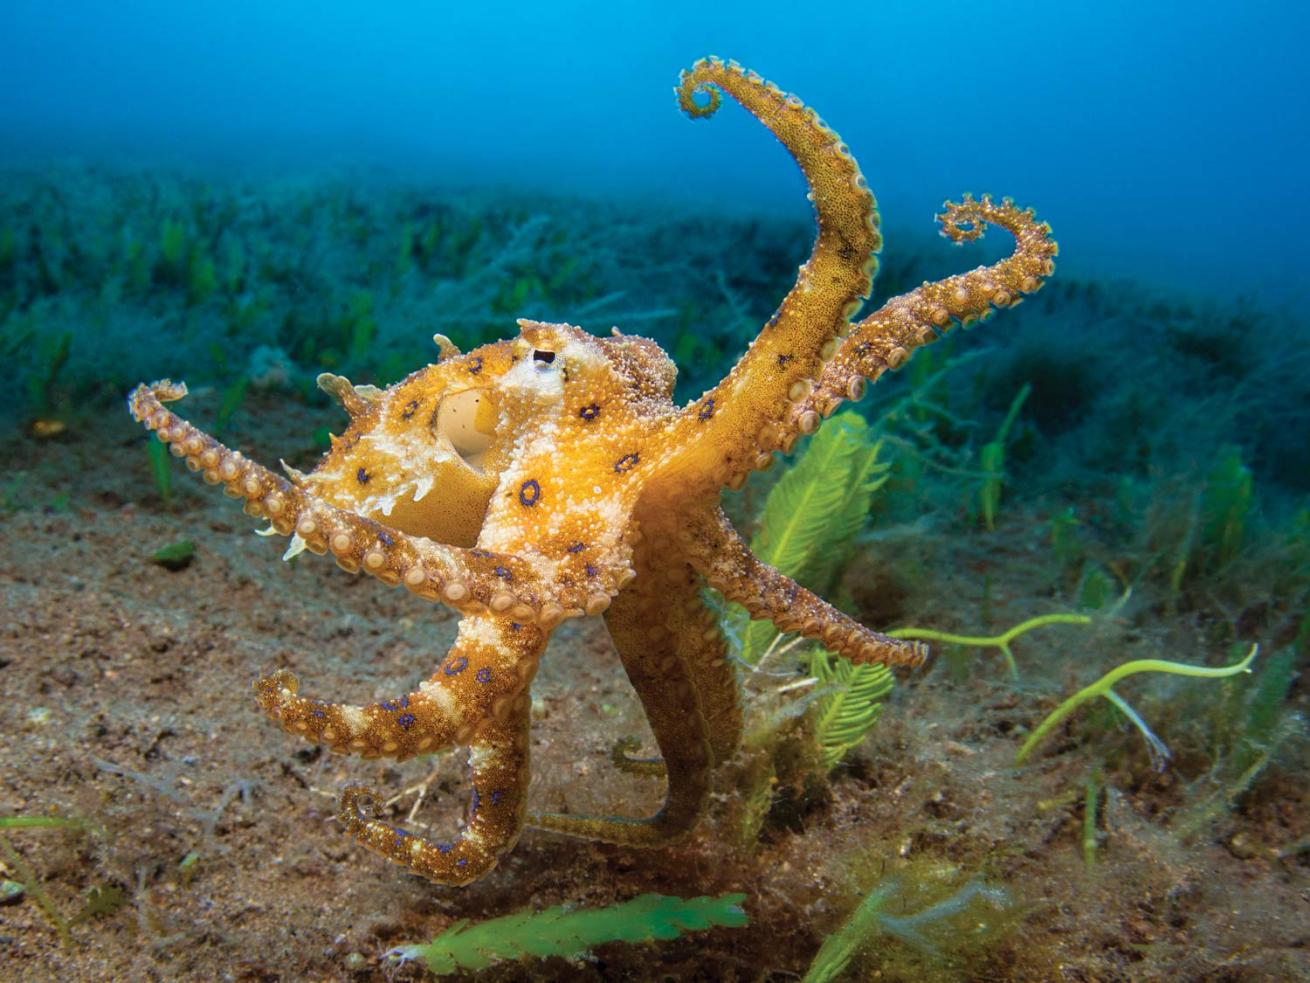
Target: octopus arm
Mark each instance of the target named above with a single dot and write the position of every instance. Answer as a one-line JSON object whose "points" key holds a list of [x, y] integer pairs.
{"points": [[622, 759], [721, 556], [467, 580], [498, 759], [744, 410], [886, 338], [674, 657], [486, 670]]}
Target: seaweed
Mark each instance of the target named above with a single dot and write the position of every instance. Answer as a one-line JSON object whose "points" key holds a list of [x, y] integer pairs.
{"points": [[812, 515], [1090, 839], [1000, 642], [1224, 507], [570, 932], [853, 706], [161, 469], [171, 265], [991, 460], [1247, 729], [100, 900], [1104, 687], [1065, 542], [941, 925], [233, 396], [52, 356], [175, 556]]}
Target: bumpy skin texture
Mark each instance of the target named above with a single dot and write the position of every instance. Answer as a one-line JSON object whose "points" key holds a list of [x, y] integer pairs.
{"points": [[551, 477]]}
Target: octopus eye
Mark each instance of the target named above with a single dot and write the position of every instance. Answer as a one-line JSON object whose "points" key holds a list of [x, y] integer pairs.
{"points": [[544, 357], [468, 421]]}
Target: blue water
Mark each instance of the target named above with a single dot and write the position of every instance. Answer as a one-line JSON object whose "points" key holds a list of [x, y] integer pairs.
{"points": [[1164, 141]]}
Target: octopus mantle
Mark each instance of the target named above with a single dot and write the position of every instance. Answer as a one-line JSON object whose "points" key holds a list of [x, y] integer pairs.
{"points": [[551, 476]]}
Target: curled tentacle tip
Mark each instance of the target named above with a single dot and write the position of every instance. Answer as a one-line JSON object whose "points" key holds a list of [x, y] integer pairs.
{"points": [[688, 93], [961, 222], [918, 655], [166, 390], [145, 395], [357, 802], [690, 86], [273, 690]]}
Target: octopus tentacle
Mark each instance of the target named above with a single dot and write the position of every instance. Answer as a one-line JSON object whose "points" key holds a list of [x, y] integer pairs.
{"points": [[704, 652], [885, 339], [734, 571], [622, 759], [745, 408], [491, 663], [498, 758], [711, 671], [469, 580], [658, 627]]}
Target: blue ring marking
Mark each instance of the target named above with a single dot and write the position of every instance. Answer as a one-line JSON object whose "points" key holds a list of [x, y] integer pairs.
{"points": [[445, 847], [530, 492], [474, 801], [475, 365], [589, 412], [503, 573], [626, 463], [481, 554], [591, 571], [456, 665], [405, 721], [483, 675], [707, 410], [576, 548], [461, 862], [496, 796], [514, 626]]}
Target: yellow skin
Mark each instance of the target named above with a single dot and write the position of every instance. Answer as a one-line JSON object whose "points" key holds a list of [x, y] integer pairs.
{"points": [[551, 477]]}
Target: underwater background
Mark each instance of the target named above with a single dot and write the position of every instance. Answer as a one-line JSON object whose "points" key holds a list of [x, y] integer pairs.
{"points": [[246, 195]]}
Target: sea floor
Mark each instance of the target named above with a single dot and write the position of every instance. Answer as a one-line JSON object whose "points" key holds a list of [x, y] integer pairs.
{"points": [[128, 703], [1155, 479]]}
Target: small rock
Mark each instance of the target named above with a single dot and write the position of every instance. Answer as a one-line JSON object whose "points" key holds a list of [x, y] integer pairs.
{"points": [[175, 556], [1241, 846], [356, 962], [11, 892]]}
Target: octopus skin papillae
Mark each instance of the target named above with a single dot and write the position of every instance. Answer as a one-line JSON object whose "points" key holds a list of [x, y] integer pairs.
{"points": [[550, 476]]}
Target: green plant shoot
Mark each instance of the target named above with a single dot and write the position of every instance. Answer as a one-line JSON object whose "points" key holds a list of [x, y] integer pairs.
{"points": [[813, 514], [1103, 687], [560, 931], [161, 468], [992, 459], [1001, 641]]}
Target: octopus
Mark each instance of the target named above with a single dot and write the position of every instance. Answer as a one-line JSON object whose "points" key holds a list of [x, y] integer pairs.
{"points": [[551, 476]]}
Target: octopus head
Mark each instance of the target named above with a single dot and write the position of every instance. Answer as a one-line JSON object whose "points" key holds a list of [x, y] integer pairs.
{"points": [[425, 455]]}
